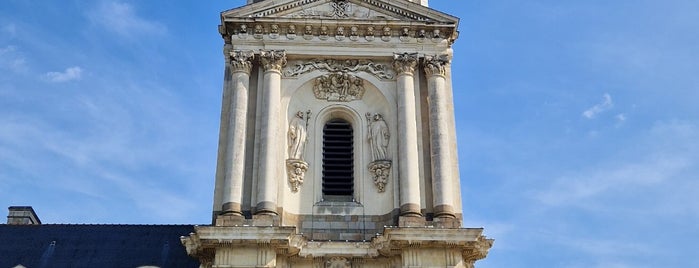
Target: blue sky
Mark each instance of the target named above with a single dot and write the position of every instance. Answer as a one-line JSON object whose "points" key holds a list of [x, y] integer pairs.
{"points": [[577, 121]]}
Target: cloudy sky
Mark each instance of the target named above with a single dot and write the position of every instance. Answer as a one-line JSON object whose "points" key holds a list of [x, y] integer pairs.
{"points": [[577, 121]]}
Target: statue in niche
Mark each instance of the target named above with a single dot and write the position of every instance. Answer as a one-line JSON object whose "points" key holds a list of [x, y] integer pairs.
{"points": [[297, 135], [378, 137], [339, 86], [295, 166]]}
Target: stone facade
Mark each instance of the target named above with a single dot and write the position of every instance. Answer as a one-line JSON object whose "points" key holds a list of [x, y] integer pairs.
{"points": [[378, 68]]}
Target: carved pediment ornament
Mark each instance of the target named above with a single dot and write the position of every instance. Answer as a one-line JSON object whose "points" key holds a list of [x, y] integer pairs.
{"points": [[436, 65], [273, 60], [338, 86], [378, 70], [405, 63], [240, 60], [338, 262]]}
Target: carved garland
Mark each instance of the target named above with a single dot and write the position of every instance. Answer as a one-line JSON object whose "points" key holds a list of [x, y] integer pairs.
{"points": [[368, 66]]}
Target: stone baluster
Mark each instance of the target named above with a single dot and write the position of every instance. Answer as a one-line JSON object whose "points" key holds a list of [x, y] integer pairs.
{"points": [[236, 89], [272, 62], [408, 172], [443, 194]]}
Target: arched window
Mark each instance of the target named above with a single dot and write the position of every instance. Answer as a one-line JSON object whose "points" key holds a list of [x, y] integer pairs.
{"points": [[338, 160]]}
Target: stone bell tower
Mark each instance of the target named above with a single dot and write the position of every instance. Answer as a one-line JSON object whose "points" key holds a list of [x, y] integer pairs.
{"points": [[337, 143]]}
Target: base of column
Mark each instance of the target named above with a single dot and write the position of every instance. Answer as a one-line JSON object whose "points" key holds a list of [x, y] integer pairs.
{"points": [[410, 210], [266, 208]]}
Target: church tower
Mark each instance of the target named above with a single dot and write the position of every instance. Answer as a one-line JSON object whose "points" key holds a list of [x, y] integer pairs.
{"points": [[337, 144]]}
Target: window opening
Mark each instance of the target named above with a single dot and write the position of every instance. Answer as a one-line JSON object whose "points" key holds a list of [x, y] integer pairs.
{"points": [[338, 161]]}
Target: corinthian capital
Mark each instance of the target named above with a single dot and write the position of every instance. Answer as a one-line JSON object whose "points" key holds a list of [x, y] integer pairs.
{"points": [[405, 63], [273, 60], [240, 60], [436, 65]]}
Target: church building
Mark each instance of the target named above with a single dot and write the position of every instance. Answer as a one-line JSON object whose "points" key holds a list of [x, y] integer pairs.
{"points": [[337, 149], [337, 145]]}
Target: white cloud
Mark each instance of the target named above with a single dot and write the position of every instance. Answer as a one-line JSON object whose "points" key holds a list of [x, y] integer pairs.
{"points": [[122, 19], [601, 107], [12, 60], [70, 74]]}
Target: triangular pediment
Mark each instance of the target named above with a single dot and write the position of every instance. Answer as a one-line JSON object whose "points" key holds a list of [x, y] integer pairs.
{"points": [[386, 10]]}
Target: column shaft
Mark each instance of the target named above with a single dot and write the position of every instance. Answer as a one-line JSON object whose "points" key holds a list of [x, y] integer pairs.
{"points": [[270, 161], [237, 87], [408, 161], [443, 194]]}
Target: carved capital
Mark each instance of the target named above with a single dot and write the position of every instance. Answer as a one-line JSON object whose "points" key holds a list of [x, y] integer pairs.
{"points": [[405, 63], [273, 60], [240, 60], [436, 65]]}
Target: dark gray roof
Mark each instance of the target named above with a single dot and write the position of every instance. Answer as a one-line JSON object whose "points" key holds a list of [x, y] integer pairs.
{"points": [[69, 245]]}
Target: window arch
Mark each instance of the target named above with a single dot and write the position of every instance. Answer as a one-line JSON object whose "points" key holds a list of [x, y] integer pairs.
{"points": [[338, 160]]}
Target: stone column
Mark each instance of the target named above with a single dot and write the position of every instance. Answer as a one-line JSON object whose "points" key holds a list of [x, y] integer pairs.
{"points": [[408, 162], [443, 195], [237, 83], [269, 157]]}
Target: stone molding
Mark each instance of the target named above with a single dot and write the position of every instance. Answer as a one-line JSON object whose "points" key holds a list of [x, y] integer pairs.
{"points": [[339, 86], [341, 32], [405, 63], [273, 60], [436, 65], [395, 241], [240, 60], [347, 65]]}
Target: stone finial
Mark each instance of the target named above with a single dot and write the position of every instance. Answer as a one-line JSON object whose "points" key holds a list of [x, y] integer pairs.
{"points": [[436, 65], [240, 60], [405, 63], [273, 60]]}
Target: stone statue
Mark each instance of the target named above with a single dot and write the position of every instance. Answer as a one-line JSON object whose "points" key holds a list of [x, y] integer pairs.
{"points": [[378, 137], [297, 136]]}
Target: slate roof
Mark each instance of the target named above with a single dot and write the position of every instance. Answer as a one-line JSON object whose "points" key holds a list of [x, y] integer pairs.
{"points": [[70, 245]]}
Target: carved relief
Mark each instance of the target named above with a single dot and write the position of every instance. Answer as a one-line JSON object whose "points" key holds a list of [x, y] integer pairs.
{"points": [[338, 262], [436, 65], [273, 60], [405, 63], [380, 170], [339, 86], [296, 170], [378, 70]]}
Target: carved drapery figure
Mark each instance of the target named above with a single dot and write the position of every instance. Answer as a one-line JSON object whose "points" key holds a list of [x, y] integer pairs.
{"points": [[297, 136], [378, 137]]}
